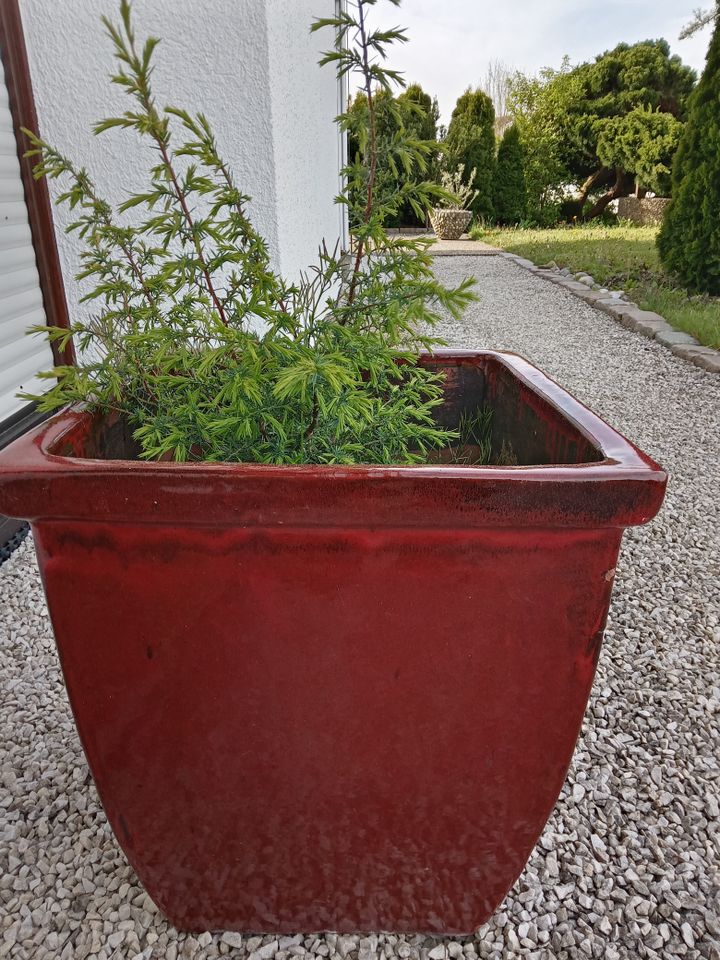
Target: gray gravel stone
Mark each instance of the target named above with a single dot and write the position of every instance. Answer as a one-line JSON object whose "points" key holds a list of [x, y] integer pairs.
{"points": [[578, 288], [629, 863], [611, 305], [591, 296], [232, 939], [707, 360], [650, 327], [630, 315], [675, 336], [523, 261], [691, 350], [266, 951]]}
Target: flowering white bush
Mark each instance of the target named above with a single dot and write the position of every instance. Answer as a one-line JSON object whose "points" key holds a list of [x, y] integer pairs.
{"points": [[454, 182]]}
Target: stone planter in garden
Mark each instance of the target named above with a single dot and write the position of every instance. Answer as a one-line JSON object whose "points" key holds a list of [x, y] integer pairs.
{"points": [[450, 224], [645, 211], [334, 698]]}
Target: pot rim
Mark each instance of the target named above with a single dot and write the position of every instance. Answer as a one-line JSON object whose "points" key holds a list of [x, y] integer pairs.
{"points": [[456, 210], [34, 478]]}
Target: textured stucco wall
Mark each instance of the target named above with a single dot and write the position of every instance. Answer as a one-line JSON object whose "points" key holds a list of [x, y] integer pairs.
{"points": [[303, 97], [251, 66]]}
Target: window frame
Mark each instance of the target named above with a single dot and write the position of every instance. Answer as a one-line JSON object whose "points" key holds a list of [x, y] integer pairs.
{"points": [[13, 53]]}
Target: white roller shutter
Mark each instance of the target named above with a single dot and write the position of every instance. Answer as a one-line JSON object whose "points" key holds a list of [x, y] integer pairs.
{"points": [[22, 357]]}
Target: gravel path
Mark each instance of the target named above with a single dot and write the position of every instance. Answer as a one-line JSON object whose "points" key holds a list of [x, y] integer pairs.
{"points": [[629, 864]]}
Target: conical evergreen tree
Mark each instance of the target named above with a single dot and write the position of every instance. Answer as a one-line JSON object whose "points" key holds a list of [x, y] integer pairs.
{"points": [[689, 240], [510, 194], [471, 141]]}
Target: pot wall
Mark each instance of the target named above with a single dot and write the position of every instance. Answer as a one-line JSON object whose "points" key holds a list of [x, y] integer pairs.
{"points": [[318, 698], [450, 224], [343, 729]]}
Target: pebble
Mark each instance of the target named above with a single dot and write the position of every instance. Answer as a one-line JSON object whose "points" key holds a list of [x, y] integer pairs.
{"points": [[367, 948], [232, 939]]}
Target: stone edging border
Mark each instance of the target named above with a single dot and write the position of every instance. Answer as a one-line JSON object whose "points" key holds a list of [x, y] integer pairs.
{"points": [[616, 305]]}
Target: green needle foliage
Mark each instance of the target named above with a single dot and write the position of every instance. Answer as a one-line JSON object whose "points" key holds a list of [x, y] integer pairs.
{"points": [[471, 141], [510, 197], [410, 117], [689, 239], [200, 345]]}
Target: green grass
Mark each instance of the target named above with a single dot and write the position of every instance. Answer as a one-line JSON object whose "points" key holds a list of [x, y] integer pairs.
{"points": [[618, 257]]}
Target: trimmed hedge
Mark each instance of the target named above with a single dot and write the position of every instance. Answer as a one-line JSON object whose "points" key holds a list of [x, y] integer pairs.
{"points": [[510, 194], [689, 240]]}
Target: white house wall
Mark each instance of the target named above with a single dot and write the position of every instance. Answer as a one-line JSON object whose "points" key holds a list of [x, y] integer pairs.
{"points": [[250, 65], [308, 167]]}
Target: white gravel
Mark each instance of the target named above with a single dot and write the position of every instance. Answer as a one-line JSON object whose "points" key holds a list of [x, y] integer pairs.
{"points": [[629, 864]]}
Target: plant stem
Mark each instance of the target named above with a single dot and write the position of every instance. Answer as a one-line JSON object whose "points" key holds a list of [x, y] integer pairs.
{"points": [[372, 170], [180, 196], [158, 132], [313, 421], [101, 211]]}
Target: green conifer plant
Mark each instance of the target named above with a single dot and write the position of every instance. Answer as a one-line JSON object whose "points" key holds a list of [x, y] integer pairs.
{"points": [[199, 344], [471, 141], [689, 239], [510, 192]]}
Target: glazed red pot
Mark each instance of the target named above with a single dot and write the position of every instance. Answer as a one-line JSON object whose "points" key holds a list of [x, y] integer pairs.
{"points": [[327, 698]]}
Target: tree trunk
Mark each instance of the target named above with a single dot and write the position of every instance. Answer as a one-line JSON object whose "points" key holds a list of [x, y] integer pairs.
{"points": [[622, 187], [596, 179]]}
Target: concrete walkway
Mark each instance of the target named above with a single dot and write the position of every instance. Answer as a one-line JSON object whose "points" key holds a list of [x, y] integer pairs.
{"points": [[451, 248], [463, 247]]}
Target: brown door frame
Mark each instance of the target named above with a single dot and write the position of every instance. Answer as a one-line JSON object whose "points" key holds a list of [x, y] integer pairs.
{"points": [[13, 53]]}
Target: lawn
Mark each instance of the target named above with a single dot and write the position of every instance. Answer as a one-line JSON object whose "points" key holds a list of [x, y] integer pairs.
{"points": [[619, 257]]}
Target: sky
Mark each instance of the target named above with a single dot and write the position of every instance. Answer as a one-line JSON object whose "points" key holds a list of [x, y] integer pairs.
{"points": [[451, 42]]}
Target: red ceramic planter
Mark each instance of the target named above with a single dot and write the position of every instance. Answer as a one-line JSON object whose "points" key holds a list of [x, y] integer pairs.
{"points": [[324, 698]]}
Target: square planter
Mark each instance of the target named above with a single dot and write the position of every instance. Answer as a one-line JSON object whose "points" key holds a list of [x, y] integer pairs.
{"points": [[328, 698]]}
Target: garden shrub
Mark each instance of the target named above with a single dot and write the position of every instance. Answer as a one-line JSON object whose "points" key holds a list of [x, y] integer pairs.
{"points": [[689, 239], [510, 196], [471, 141], [200, 345]]}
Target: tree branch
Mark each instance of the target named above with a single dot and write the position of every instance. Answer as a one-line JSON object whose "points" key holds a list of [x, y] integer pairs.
{"points": [[701, 19], [623, 187]]}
